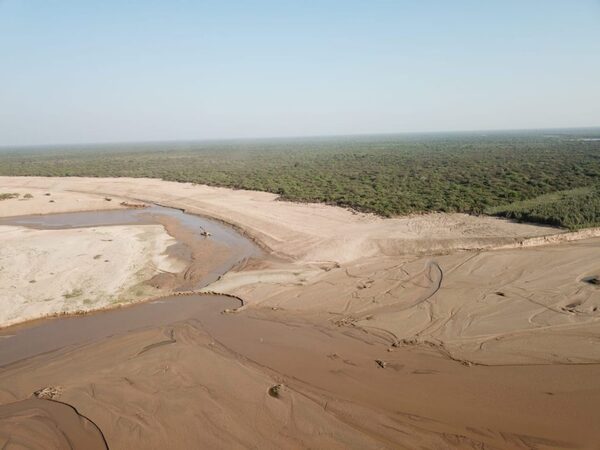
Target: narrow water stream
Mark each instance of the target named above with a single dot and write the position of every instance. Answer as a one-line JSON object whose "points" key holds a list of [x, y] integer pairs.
{"points": [[33, 338], [238, 247]]}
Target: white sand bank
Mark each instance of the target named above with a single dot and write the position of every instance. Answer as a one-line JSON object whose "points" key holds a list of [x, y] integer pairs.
{"points": [[53, 200], [44, 272]]}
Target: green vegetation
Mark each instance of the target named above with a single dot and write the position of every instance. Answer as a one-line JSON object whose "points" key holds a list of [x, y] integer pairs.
{"points": [[387, 175], [73, 294], [8, 195], [275, 391], [574, 209]]}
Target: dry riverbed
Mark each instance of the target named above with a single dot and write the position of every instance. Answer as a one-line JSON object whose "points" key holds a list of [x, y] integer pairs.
{"points": [[434, 331]]}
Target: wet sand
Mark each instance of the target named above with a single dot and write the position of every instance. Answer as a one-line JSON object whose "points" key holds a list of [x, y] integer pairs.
{"points": [[196, 369], [381, 333], [35, 423], [22, 342]]}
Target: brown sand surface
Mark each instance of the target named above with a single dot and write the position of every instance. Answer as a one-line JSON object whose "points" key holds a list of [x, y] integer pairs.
{"points": [[517, 306], [35, 423], [205, 381], [477, 348]]}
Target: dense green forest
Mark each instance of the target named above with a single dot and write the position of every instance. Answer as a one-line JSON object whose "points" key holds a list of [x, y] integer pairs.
{"points": [[574, 209], [549, 177]]}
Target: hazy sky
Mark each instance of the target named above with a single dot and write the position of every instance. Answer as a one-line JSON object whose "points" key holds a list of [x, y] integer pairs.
{"points": [[94, 71]]}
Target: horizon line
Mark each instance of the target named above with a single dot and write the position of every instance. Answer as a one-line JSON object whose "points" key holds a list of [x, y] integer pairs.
{"points": [[293, 137]]}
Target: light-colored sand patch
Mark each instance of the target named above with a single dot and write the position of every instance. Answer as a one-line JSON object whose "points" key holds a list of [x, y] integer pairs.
{"points": [[44, 272], [53, 200]]}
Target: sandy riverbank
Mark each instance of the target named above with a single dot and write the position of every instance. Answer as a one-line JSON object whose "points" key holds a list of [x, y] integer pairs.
{"points": [[477, 348], [49, 200], [304, 232], [46, 272]]}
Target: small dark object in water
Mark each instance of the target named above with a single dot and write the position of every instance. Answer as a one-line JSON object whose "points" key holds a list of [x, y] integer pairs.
{"points": [[594, 279]]}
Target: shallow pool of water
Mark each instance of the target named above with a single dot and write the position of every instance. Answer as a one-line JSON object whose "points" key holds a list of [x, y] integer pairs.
{"points": [[35, 338]]}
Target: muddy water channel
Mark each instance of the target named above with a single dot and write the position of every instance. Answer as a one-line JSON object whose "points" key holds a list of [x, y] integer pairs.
{"points": [[35, 338], [209, 249]]}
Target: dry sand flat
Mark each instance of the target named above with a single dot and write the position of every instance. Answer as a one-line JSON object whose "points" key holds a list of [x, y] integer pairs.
{"points": [[44, 272], [476, 349], [51, 200]]}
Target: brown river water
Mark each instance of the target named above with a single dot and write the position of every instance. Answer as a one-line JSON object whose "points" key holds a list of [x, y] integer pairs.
{"points": [[29, 339]]}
